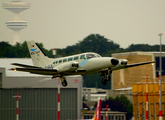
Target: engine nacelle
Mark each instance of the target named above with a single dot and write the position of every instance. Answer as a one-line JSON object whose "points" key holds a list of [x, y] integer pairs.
{"points": [[68, 66], [123, 62]]}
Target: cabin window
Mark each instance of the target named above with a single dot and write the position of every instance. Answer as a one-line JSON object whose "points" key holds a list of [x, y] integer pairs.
{"points": [[70, 59], [97, 55], [64, 60], [54, 62], [76, 57], [60, 61], [82, 57], [90, 56]]}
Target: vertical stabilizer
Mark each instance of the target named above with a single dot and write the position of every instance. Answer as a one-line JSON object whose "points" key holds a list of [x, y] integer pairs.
{"points": [[97, 111], [38, 57]]}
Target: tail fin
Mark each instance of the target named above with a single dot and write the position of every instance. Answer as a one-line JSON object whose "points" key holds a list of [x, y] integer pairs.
{"points": [[38, 57], [97, 111]]}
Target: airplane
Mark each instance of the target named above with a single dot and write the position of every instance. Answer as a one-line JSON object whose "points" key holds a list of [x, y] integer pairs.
{"points": [[97, 111], [79, 64]]}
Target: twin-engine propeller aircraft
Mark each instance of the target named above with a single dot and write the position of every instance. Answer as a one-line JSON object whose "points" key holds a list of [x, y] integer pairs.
{"points": [[80, 64]]}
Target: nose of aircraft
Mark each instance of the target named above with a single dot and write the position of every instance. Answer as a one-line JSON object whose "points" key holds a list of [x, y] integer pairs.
{"points": [[114, 62]]}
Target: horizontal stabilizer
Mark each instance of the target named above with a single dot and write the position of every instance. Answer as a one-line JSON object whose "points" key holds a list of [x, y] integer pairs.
{"points": [[23, 65], [36, 70]]}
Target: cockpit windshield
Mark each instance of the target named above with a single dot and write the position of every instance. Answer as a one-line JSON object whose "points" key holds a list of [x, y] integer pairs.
{"points": [[92, 55]]}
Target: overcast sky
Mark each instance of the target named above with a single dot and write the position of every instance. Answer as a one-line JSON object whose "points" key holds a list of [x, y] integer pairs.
{"points": [[59, 23]]}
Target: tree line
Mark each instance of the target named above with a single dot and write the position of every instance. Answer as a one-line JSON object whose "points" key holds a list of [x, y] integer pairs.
{"points": [[119, 103], [92, 43]]}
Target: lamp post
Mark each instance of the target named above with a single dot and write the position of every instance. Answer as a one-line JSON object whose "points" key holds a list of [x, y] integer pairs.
{"points": [[160, 79], [58, 114], [17, 105]]}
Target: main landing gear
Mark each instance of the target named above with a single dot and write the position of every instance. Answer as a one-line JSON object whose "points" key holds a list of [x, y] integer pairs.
{"points": [[106, 77], [63, 81]]}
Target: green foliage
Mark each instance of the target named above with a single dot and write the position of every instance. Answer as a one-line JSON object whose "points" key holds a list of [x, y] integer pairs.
{"points": [[126, 103], [16, 51], [5, 49], [122, 104], [110, 98], [84, 98], [93, 43]]}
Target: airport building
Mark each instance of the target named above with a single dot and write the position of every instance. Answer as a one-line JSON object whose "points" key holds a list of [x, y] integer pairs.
{"points": [[111, 115], [93, 94], [39, 94], [127, 77]]}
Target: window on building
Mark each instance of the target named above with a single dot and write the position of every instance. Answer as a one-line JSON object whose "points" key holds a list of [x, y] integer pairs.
{"points": [[157, 66], [111, 117], [102, 118]]}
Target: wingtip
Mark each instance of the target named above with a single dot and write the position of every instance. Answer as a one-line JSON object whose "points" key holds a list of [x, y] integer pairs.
{"points": [[13, 69]]}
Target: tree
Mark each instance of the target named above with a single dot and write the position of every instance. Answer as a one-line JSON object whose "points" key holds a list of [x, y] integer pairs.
{"points": [[6, 50], [120, 104], [127, 104]]}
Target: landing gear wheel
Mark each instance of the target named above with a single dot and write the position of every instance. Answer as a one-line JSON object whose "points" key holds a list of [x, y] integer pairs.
{"points": [[108, 78], [64, 83], [104, 81]]}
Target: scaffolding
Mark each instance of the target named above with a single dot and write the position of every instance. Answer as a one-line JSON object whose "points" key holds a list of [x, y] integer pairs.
{"points": [[139, 100]]}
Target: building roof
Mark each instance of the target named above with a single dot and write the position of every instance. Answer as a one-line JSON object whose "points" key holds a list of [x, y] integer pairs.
{"points": [[6, 63], [137, 53], [123, 89]]}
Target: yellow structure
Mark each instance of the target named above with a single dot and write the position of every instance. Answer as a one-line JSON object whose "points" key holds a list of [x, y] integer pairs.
{"points": [[124, 78], [139, 100]]}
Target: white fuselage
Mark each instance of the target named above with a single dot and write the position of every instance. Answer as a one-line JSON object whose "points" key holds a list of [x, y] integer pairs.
{"points": [[87, 61]]}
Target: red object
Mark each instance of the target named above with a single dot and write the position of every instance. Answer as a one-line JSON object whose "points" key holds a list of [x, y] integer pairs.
{"points": [[17, 111], [58, 115], [160, 113], [146, 115], [76, 81], [107, 112], [58, 99], [147, 96], [17, 97]]}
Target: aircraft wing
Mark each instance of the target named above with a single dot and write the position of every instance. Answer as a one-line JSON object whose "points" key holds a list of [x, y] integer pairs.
{"points": [[131, 65], [137, 64]]}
